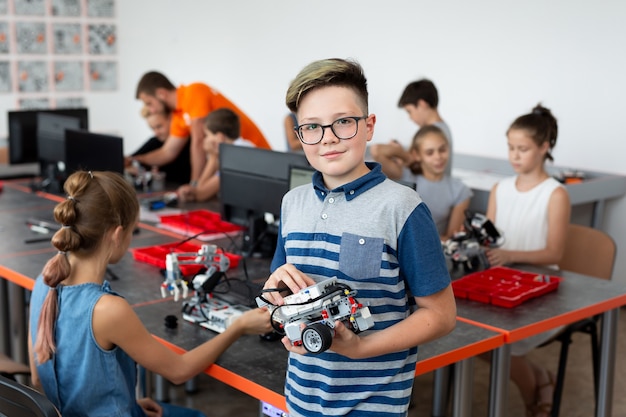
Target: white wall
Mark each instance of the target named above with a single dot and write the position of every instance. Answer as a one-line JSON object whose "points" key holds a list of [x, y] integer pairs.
{"points": [[490, 60]]}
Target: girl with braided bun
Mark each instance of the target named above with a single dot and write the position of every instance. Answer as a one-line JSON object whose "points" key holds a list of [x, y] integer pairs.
{"points": [[532, 209], [85, 340]]}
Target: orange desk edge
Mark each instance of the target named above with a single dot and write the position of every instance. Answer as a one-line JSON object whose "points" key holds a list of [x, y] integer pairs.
{"points": [[551, 323], [17, 278], [459, 354], [242, 384]]}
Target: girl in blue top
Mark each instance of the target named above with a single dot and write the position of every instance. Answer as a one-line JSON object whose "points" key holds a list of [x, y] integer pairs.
{"points": [[84, 339]]}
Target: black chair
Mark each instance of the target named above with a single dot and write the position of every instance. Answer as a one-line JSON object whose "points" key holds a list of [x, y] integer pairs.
{"points": [[19, 400]]}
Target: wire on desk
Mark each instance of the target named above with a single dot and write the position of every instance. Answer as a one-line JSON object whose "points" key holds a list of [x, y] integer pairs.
{"points": [[37, 239], [113, 275]]}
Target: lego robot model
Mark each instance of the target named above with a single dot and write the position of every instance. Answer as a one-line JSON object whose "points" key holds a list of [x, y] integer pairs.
{"points": [[208, 256], [318, 307], [202, 308], [466, 248]]}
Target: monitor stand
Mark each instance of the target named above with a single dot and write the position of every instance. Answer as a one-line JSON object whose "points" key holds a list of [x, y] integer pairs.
{"points": [[52, 179], [259, 238]]}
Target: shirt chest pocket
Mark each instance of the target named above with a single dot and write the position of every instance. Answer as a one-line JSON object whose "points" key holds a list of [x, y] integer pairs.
{"points": [[360, 257]]}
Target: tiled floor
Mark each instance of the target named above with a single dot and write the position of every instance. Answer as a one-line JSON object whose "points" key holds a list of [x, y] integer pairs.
{"points": [[218, 400]]}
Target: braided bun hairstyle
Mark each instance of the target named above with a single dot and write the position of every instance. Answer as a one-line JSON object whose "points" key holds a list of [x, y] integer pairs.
{"points": [[96, 203], [540, 125]]}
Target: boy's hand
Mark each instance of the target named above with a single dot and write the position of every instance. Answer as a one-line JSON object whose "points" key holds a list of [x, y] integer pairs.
{"points": [[291, 348], [285, 276], [345, 341]]}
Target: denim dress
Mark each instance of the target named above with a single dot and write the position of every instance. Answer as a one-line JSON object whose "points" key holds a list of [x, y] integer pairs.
{"points": [[81, 378]]}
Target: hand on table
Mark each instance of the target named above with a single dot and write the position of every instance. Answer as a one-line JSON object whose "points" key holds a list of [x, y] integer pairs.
{"points": [[497, 257], [186, 193]]}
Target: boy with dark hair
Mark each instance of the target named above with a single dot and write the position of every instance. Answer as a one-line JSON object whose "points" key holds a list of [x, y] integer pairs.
{"points": [[220, 126], [419, 90], [420, 100], [370, 233]]}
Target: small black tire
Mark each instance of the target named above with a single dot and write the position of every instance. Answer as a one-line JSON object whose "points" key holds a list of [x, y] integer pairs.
{"points": [[317, 337]]}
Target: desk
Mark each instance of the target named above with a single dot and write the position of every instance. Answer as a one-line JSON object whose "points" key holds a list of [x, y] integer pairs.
{"points": [[258, 367], [480, 328], [250, 365], [577, 297]]}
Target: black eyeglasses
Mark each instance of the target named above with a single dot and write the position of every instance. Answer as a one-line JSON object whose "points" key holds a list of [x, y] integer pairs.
{"points": [[344, 128]]}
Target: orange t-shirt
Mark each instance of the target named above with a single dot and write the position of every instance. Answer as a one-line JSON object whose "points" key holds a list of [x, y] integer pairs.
{"points": [[198, 100]]}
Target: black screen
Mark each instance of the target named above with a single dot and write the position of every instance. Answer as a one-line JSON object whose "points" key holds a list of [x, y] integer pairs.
{"points": [[253, 182], [51, 136], [93, 152], [22, 125]]}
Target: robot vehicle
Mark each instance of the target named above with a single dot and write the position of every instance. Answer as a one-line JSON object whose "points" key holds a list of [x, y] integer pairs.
{"points": [[467, 248], [318, 307]]}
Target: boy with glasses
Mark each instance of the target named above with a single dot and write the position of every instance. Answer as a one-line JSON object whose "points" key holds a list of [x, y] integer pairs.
{"points": [[371, 233]]}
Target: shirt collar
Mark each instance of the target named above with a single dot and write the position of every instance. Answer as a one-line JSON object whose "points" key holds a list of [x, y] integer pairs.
{"points": [[352, 189]]}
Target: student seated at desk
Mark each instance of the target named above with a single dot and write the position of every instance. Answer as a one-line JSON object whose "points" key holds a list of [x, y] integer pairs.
{"points": [[532, 210], [371, 233], [220, 126], [85, 340], [446, 197], [178, 171]]}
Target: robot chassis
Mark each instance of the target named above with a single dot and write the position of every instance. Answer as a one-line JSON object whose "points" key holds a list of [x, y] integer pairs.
{"points": [[466, 248], [318, 307]]}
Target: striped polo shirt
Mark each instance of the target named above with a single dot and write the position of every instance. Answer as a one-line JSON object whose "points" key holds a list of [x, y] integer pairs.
{"points": [[379, 238]]}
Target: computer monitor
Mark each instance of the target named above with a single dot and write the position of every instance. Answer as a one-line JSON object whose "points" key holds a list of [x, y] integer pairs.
{"points": [[51, 136], [253, 182], [22, 125], [300, 176], [51, 149], [90, 151]]}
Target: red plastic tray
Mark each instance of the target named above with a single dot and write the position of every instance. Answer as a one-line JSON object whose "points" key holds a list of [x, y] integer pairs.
{"points": [[208, 223], [505, 287], [155, 255]]}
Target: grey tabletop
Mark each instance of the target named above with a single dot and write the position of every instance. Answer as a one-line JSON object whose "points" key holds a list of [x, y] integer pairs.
{"points": [[576, 297]]}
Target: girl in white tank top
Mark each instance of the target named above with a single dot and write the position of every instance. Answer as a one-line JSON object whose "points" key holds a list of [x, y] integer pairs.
{"points": [[532, 210]]}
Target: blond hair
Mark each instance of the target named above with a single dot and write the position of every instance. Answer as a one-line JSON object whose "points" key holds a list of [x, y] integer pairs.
{"points": [[324, 73]]}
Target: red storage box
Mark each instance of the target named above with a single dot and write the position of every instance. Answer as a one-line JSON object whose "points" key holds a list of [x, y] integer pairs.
{"points": [[505, 287], [193, 223], [155, 255]]}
